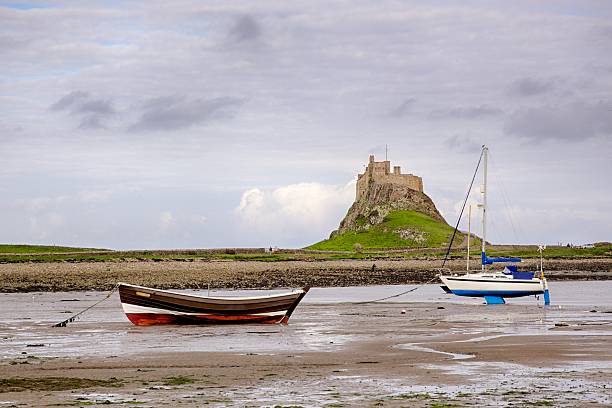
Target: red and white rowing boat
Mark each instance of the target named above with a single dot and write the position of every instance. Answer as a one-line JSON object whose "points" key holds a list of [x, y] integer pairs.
{"points": [[146, 306]]}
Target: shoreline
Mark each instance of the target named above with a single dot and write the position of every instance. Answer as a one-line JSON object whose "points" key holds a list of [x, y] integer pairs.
{"points": [[236, 274]]}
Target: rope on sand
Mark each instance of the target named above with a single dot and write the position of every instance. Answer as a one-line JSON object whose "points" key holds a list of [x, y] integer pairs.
{"points": [[398, 294], [74, 316]]}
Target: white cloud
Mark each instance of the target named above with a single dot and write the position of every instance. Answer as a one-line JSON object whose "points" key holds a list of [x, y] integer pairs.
{"points": [[251, 205], [313, 206], [55, 219], [38, 204], [91, 196], [199, 219], [166, 220], [43, 226]]}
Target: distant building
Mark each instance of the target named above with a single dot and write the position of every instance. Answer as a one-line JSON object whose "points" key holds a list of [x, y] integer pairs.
{"points": [[380, 172]]}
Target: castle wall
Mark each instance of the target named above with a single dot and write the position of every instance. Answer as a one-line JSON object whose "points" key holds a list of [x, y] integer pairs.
{"points": [[380, 172]]}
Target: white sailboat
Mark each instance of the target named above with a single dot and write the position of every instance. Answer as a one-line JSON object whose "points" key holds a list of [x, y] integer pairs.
{"points": [[495, 286]]}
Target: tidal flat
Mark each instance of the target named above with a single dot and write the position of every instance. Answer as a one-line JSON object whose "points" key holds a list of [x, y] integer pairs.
{"points": [[201, 273], [425, 349]]}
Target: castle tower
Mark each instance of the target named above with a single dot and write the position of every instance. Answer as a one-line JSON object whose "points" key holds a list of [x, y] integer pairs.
{"points": [[380, 172]]}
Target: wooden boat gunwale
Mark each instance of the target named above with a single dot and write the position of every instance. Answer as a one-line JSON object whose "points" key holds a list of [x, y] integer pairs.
{"points": [[187, 296], [145, 306]]}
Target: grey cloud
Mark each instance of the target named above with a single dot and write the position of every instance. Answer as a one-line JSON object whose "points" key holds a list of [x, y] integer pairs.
{"points": [[69, 100], [460, 112], [245, 29], [575, 121], [92, 122], [10, 43], [171, 113], [405, 108], [462, 144], [530, 87], [92, 112], [97, 106]]}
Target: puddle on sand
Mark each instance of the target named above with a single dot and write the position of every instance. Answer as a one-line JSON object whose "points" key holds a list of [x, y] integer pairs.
{"points": [[418, 347]]}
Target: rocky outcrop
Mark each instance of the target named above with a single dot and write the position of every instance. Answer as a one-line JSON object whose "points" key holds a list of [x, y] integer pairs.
{"points": [[379, 200]]}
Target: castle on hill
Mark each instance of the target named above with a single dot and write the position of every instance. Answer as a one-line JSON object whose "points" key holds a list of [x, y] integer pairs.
{"points": [[380, 172]]}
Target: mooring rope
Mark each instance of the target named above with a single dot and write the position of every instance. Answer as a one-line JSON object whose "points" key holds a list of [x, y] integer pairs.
{"points": [[398, 294], [74, 316]]}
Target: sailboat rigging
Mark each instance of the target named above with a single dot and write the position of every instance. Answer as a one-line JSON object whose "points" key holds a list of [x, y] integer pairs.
{"points": [[491, 285]]}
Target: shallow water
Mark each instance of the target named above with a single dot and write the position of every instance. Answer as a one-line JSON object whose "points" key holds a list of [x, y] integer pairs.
{"points": [[26, 320]]}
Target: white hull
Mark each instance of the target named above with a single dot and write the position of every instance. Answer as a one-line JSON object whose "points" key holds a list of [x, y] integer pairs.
{"points": [[493, 284]]}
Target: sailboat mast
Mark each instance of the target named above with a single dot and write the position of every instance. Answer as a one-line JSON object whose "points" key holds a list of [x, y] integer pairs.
{"points": [[485, 151], [468, 237]]}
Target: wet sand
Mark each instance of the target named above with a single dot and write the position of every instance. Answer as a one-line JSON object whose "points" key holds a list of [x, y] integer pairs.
{"points": [[442, 350], [66, 276]]}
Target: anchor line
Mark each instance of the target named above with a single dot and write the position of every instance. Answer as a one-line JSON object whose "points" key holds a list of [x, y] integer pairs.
{"points": [[396, 295], [74, 316]]}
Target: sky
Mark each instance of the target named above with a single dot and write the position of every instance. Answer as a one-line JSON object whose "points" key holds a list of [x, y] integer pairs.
{"points": [[191, 124]]}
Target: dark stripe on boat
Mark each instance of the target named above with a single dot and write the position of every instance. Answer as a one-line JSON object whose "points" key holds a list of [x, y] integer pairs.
{"points": [[199, 299], [201, 305], [203, 309]]}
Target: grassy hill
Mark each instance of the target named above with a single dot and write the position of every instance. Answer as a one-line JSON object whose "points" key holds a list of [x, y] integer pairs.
{"points": [[399, 229]]}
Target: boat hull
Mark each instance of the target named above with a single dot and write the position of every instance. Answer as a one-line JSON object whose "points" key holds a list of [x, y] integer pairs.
{"points": [[474, 286], [146, 306]]}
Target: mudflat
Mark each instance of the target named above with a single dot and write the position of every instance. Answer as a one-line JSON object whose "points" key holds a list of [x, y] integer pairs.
{"points": [[200, 273], [421, 354]]}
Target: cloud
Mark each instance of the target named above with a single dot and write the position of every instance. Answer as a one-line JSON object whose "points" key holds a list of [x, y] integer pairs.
{"points": [[462, 144], [530, 87], [462, 112], [166, 220], [251, 205], [38, 204], [199, 219], [92, 112], [69, 100], [9, 43], [405, 108], [94, 196], [96, 106], [301, 205], [245, 29], [571, 122], [173, 113], [55, 219], [42, 226]]}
